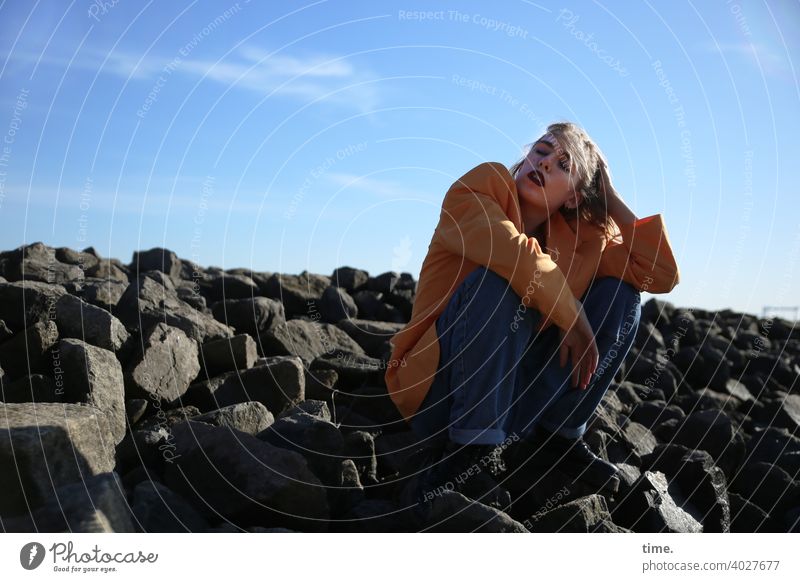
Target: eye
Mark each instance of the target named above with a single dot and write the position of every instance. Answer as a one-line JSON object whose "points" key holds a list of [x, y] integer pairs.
{"points": [[563, 164]]}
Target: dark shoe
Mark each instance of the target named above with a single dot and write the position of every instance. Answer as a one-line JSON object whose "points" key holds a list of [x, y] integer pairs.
{"points": [[572, 456], [461, 468]]}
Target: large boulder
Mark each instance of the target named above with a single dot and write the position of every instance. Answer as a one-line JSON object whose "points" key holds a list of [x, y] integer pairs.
{"points": [[650, 508], [93, 376], [308, 340], [372, 336], [37, 262], [245, 480], [249, 417], [29, 351], [253, 316], [92, 324], [164, 366], [46, 446], [24, 303], [278, 384], [147, 302], [228, 354], [300, 294], [156, 259]]}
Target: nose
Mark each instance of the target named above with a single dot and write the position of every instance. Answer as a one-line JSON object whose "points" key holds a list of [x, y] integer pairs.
{"points": [[544, 164]]}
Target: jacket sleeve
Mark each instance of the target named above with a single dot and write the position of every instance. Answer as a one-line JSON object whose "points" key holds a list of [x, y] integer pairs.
{"points": [[475, 224], [643, 257]]}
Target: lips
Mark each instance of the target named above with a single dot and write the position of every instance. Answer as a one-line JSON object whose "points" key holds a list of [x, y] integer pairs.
{"points": [[536, 177]]}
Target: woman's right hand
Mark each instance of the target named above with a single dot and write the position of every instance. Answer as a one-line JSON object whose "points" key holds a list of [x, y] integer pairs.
{"points": [[578, 346]]}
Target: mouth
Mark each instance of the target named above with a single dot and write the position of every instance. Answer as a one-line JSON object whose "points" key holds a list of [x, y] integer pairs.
{"points": [[536, 177]]}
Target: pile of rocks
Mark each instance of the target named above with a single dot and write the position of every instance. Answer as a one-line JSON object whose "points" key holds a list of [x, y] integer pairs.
{"points": [[161, 396]]}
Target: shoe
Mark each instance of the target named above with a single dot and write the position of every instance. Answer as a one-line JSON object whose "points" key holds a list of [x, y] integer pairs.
{"points": [[455, 467], [571, 456]]}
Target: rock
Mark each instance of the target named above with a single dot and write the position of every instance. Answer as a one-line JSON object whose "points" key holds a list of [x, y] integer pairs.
{"points": [[29, 350], [703, 485], [317, 408], [96, 504], [135, 409], [349, 278], [158, 509], [320, 385], [33, 388], [167, 418], [781, 412], [245, 480], [156, 259], [147, 303], [748, 517], [738, 390], [89, 323], [776, 367], [46, 446], [298, 293], [278, 385], [768, 486], [336, 304], [93, 376], [650, 508], [70, 257], [249, 417], [372, 336], [777, 446], [308, 340], [232, 287], [103, 293], [650, 414], [639, 439], [383, 283], [352, 370], [712, 431], [360, 447], [228, 354], [37, 262], [453, 512], [704, 366], [319, 441], [584, 515], [109, 270], [164, 365], [252, 316]]}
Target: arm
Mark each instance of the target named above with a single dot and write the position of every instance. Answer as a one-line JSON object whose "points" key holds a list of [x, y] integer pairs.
{"points": [[644, 256]]}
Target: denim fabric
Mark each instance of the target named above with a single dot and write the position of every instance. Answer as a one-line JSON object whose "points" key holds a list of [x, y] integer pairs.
{"points": [[498, 376]]}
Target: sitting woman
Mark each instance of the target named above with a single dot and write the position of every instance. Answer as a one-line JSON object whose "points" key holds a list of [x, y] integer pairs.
{"points": [[527, 304]]}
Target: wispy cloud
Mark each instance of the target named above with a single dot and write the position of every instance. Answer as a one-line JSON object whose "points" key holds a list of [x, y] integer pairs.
{"points": [[327, 77], [758, 54], [377, 187]]}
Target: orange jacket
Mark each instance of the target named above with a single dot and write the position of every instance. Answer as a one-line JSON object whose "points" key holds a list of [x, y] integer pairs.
{"points": [[481, 225]]}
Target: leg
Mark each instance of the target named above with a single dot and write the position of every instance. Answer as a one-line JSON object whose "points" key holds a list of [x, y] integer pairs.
{"points": [[472, 392], [544, 394]]}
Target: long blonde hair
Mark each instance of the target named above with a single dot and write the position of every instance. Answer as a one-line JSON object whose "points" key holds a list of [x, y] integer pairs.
{"points": [[586, 161]]}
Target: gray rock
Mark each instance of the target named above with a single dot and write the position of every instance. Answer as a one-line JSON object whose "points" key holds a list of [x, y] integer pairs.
{"points": [[316, 408], [583, 515], [319, 441], [278, 385], [135, 409], [37, 262], [372, 336], [156, 259], [360, 447], [89, 323], [383, 283], [29, 350], [158, 509], [639, 439], [298, 293], [712, 431], [228, 354], [146, 302], [650, 508], [249, 417], [252, 316], [164, 366], [33, 388], [97, 504], [24, 303], [70, 257], [43, 446], [453, 512], [93, 376], [336, 304], [245, 480], [349, 278], [308, 340], [768, 486], [228, 286], [104, 293]]}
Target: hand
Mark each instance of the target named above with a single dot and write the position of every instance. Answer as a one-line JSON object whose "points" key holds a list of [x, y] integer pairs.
{"points": [[578, 345]]}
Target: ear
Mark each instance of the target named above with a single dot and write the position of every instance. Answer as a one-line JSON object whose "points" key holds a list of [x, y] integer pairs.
{"points": [[573, 201]]}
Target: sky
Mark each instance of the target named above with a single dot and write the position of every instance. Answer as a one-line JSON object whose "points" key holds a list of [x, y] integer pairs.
{"points": [[292, 136]]}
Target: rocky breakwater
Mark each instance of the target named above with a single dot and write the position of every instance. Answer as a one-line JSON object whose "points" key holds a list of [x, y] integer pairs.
{"points": [[161, 396]]}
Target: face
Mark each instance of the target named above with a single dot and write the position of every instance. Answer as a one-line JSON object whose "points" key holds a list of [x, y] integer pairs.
{"points": [[543, 181]]}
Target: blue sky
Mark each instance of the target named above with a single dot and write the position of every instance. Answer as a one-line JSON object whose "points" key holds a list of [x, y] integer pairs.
{"points": [[287, 136]]}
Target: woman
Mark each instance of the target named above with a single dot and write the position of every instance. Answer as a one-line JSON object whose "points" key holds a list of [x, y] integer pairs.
{"points": [[527, 303]]}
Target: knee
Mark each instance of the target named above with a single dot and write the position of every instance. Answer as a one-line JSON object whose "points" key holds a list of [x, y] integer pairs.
{"points": [[613, 306], [493, 288]]}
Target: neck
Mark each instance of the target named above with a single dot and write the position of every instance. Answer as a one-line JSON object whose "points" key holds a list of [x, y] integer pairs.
{"points": [[533, 220]]}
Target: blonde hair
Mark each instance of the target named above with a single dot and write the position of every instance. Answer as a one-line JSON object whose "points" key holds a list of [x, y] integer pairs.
{"points": [[585, 161]]}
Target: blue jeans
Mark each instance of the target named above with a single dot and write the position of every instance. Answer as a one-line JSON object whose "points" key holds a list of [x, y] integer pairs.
{"points": [[496, 379]]}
